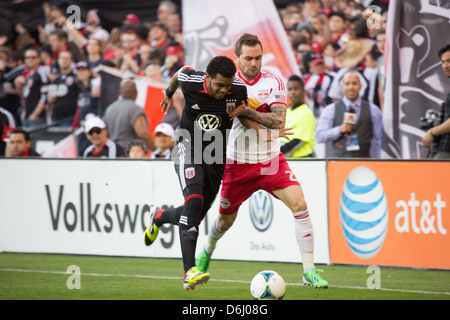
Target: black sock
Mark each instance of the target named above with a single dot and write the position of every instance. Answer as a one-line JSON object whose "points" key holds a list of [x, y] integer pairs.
{"points": [[171, 216], [188, 240]]}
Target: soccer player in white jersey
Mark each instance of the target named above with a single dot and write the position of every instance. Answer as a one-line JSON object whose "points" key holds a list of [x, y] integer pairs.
{"points": [[255, 162]]}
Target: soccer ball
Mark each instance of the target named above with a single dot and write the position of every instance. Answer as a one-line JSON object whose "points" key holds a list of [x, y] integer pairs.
{"points": [[267, 285]]}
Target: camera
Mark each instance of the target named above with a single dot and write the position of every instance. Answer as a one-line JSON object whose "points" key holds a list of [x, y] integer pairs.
{"points": [[431, 119]]}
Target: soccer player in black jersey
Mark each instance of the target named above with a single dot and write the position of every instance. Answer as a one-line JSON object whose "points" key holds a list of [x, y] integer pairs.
{"points": [[199, 155]]}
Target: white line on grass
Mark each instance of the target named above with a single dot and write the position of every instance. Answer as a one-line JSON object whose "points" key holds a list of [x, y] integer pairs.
{"points": [[220, 280]]}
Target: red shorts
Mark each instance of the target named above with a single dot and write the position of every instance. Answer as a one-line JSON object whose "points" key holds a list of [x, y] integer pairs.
{"points": [[241, 180]]}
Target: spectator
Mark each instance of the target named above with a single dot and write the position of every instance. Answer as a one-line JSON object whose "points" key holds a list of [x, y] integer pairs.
{"points": [[131, 60], [59, 42], [93, 27], [126, 120], [7, 124], [63, 92], [45, 54], [175, 27], [329, 51], [33, 84], [19, 144], [136, 149], [300, 118], [302, 49], [381, 77], [321, 32], [114, 39], [144, 52], [102, 147], [306, 62], [352, 125], [153, 72], [441, 131], [173, 62], [310, 8], [94, 52], [87, 101], [350, 57], [338, 27], [159, 37], [131, 20], [165, 9], [370, 72], [317, 84], [164, 141], [328, 6], [11, 67]]}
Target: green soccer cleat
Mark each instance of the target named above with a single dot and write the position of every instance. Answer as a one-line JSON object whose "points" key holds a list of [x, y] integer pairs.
{"points": [[193, 278], [312, 278], [202, 261], [152, 231]]}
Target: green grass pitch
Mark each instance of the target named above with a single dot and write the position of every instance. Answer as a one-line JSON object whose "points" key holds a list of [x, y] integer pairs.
{"points": [[45, 277]]}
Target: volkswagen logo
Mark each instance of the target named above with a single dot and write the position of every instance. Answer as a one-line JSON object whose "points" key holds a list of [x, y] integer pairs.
{"points": [[208, 122], [261, 210]]}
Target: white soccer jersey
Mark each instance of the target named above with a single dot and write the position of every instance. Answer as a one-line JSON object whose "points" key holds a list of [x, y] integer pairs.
{"points": [[244, 145]]}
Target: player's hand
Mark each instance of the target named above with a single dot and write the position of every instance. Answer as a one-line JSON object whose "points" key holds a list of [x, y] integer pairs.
{"points": [[285, 133], [238, 111], [271, 134], [167, 103]]}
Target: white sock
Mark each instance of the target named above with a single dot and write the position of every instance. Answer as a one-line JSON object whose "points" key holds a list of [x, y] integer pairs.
{"points": [[305, 238], [214, 234]]}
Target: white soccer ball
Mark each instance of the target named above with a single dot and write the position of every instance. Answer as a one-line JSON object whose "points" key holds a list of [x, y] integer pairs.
{"points": [[268, 285]]}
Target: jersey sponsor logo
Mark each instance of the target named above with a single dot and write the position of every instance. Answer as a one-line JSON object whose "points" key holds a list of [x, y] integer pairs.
{"points": [[261, 210], [208, 122], [189, 173], [62, 90]]}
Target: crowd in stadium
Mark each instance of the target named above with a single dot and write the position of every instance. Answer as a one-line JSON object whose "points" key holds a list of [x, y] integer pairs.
{"points": [[53, 79]]}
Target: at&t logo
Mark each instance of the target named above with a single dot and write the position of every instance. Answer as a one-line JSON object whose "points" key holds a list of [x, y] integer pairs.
{"points": [[364, 212]]}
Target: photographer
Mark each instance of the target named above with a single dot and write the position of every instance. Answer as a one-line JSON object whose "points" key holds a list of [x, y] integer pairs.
{"points": [[443, 129]]}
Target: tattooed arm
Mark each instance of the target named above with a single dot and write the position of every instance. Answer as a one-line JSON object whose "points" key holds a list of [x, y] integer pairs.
{"points": [[273, 120], [265, 133]]}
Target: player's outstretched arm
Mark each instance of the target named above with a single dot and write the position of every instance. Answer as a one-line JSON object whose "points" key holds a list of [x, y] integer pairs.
{"points": [[167, 101]]}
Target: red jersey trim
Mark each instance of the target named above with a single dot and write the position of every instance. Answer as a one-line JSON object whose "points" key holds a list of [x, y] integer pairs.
{"points": [[248, 83]]}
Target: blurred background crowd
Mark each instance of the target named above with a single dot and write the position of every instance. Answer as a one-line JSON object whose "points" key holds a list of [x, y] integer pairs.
{"points": [[50, 62]]}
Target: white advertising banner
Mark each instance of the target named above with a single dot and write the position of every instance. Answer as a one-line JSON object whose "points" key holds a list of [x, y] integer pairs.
{"points": [[101, 207], [223, 22]]}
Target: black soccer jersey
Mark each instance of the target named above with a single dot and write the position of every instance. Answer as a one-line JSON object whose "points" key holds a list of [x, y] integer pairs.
{"points": [[34, 90], [205, 120], [110, 150], [66, 89]]}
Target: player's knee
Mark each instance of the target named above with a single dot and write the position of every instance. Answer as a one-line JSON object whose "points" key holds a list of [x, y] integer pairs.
{"points": [[299, 205], [191, 213], [194, 204], [224, 222]]}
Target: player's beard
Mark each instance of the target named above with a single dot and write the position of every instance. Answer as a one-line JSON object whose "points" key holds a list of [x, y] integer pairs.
{"points": [[249, 74]]}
